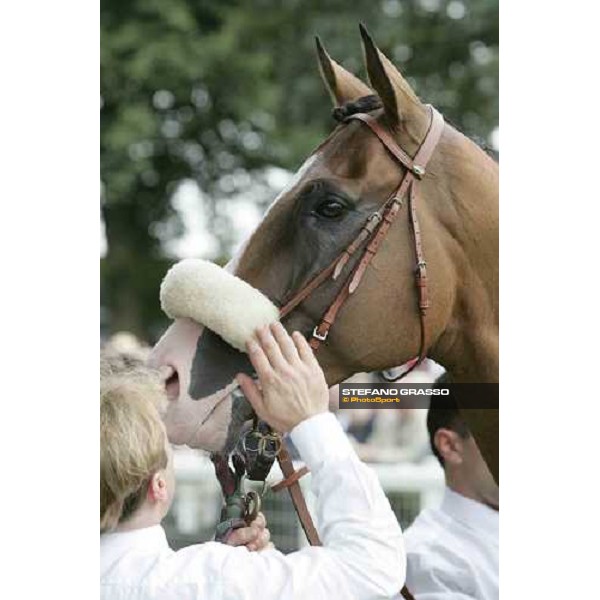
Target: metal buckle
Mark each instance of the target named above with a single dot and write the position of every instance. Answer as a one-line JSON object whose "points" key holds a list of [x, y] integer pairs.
{"points": [[418, 171], [372, 222], [252, 506], [267, 444], [320, 337]]}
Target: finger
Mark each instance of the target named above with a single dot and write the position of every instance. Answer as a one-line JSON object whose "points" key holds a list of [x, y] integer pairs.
{"points": [[271, 348], [235, 538], [305, 352], [269, 546], [252, 393], [260, 522], [263, 539], [259, 359], [286, 344], [244, 536]]}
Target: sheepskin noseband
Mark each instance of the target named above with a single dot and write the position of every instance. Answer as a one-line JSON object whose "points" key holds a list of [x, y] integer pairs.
{"points": [[200, 290]]}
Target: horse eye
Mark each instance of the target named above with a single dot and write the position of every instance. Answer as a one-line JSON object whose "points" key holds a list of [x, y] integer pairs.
{"points": [[330, 209]]}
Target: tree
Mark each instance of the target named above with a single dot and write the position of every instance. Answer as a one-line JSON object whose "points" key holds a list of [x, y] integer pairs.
{"points": [[217, 91]]}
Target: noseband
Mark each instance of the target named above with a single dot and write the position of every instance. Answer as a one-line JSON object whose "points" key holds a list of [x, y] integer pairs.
{"points": [[373, 233]]}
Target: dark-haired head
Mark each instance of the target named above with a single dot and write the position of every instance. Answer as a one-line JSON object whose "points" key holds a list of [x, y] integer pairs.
{"points": [[455, 448], [444, 414]]}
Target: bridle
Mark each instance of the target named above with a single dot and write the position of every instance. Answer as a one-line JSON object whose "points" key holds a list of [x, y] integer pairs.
{"points": [[374, 232]]}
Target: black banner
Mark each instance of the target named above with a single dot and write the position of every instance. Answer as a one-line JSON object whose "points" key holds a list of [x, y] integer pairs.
{"points": [[418, 395]]}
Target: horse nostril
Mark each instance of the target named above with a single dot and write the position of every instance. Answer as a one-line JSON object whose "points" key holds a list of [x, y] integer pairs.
{"points": [[172, 386], [165, 371]]}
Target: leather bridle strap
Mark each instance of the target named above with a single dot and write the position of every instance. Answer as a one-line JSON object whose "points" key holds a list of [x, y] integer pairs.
{"points": [[334, 268], [377, 228], [374, 232], [320, 333], [291, 482]]}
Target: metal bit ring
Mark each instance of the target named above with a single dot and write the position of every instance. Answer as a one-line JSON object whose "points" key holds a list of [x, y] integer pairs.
{"points": [[252, 506]]}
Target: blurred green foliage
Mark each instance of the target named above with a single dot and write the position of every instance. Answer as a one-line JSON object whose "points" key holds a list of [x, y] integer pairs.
{"points": [[216, 90]]}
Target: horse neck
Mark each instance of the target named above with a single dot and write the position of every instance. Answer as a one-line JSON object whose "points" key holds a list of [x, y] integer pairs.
{"points": [[468, 345], [468, 355]]}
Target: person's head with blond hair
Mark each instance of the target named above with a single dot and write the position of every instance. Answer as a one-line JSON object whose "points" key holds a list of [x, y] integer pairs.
{"points": [[136, 465]]}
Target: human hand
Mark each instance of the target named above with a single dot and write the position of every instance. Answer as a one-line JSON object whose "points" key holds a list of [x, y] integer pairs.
{"points": [[292, 384], [255, 537]]}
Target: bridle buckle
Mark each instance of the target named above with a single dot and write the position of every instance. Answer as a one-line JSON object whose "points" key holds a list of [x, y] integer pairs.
{"points": [[376, 217], [320, 336], [418, 171]]}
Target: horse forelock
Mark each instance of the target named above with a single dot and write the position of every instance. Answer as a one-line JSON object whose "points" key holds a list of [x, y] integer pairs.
{"points": [[366, 104]]}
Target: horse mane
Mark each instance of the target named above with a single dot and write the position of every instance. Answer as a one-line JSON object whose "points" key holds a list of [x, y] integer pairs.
{"points": [[489, 150], [372, 102]]}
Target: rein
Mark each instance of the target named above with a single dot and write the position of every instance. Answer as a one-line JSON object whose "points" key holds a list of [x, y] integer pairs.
{"points": [[253, 459]]}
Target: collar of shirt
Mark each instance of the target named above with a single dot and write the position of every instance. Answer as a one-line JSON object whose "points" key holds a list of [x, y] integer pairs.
{"points": [[472, 514]]}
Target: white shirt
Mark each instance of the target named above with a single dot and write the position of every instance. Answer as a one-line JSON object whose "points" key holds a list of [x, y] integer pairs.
{"points": [[362, 555], [452, 551]]}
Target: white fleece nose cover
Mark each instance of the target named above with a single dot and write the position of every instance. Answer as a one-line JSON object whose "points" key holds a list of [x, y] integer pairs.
{"points": [[204, 292]]}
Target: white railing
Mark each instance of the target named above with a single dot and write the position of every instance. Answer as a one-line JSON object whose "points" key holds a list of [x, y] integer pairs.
{"points": [[192, 519]]}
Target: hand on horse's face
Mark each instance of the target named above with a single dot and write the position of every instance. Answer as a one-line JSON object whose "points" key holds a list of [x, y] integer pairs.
{"points": [[292, 383]]}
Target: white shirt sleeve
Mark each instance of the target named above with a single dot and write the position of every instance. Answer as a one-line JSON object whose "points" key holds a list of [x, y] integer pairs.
{"points": [[362, 556]]}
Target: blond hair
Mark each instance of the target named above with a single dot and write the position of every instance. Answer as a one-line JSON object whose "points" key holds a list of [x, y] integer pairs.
{"points": [[132, 440]]}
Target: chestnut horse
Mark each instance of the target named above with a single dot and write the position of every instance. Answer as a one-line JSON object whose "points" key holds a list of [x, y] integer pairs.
{"points": [[345, 179]]}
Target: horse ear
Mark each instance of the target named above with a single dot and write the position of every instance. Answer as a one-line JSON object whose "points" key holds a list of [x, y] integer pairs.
{"points": [[397, 97], [341, 84]]}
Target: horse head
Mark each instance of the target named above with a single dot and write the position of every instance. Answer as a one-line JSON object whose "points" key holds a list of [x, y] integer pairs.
{"points": [[346, 178]]}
